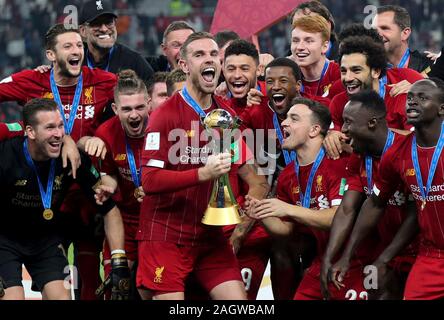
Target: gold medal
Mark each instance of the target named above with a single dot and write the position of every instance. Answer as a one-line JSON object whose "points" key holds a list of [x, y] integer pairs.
{"points": [[138, 193], [423, 204], [48, 214]]}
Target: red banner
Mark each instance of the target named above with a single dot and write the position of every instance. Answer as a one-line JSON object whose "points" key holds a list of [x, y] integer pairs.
{"points": [[249, 17]]}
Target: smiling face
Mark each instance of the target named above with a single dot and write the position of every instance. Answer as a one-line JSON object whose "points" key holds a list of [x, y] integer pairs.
{"points": [[297, 127], [101, 33], [132, 111], [67, 55], [307, 48], [172, 44], [240, 73], [355, 126], [47, 135], [282, 87], [423, 106], [390, 32], [202, 64], [356, 75]]}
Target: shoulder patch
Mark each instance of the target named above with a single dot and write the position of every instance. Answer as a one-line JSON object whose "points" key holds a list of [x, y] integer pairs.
{"points": [[152, 141]]}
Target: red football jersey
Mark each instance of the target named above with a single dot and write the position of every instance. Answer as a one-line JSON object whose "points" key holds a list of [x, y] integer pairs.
{"points": [[116, 164], [395, 106], [322, 88], [394, 75], [327, 190], [174, 150], [240, 105], [397, 165], [395, 211], [97, 93]]}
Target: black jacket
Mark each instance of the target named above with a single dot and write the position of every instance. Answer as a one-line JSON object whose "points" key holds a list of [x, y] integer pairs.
{"points": [[125, 58], [159, 63], [419, 62], [438, 68]]}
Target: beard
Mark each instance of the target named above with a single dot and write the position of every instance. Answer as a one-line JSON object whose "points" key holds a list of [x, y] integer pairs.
{"points": [[64, 71]]}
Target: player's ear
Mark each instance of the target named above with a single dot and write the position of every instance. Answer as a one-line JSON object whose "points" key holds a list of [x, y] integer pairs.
{"points": [[50, 54], [114, 106], [298, 85], [375, 73], [184, 66], [441, 110], [82, 30], [315, 131], [371, 124], [405, 34], [30, 133]]}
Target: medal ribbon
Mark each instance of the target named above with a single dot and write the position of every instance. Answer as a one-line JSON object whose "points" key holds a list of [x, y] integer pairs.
{"points": [[369, 161], [382, 83], [305, 197], [324, 71], [189, 99], [75, 103], [46, 196], [289, 157], [132, 165], [433, 165], [90, 63], [403, 62]]}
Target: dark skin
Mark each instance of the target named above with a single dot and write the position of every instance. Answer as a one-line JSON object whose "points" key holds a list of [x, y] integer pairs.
{"points": [[425, 110], [369, 131]]}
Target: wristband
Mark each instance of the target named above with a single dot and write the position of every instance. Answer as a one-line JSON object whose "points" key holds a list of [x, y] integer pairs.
{"points": [[121, 251]]}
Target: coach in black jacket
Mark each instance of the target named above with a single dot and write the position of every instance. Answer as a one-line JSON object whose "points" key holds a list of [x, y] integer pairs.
{"points": [[98, 28]]}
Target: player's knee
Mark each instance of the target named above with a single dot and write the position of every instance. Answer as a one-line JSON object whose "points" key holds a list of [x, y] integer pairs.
{"points": [[14, 293], [229, 290]]}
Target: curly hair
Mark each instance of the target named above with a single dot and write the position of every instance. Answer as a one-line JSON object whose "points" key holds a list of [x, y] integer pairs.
{"points": [[374, 51]]}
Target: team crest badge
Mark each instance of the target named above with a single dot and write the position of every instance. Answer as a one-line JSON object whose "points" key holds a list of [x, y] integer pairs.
{"points": [[158, 274], [88, 95]]}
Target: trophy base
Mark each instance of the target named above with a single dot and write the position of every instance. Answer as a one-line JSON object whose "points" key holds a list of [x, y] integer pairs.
{"points": [[221, 216]]}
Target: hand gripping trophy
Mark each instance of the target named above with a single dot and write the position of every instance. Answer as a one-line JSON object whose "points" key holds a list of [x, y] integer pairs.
{"points": [[223, 208]]}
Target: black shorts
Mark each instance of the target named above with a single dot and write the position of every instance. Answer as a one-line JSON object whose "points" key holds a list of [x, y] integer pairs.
{"points": [[44, 259]]}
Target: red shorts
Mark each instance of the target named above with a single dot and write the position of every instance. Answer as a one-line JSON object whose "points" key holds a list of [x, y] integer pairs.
{"points": [[426, 279], [165, 266], [253, 257], [310, 286]]}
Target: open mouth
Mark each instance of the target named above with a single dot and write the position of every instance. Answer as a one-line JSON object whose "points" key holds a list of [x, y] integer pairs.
{"points": [[302, 55], [412, 113], [238, 86], [134, 124], [75, 62], [353, 87], [104, 36], [285, 133], [208, 74], [55, 146], [278, 99]]}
